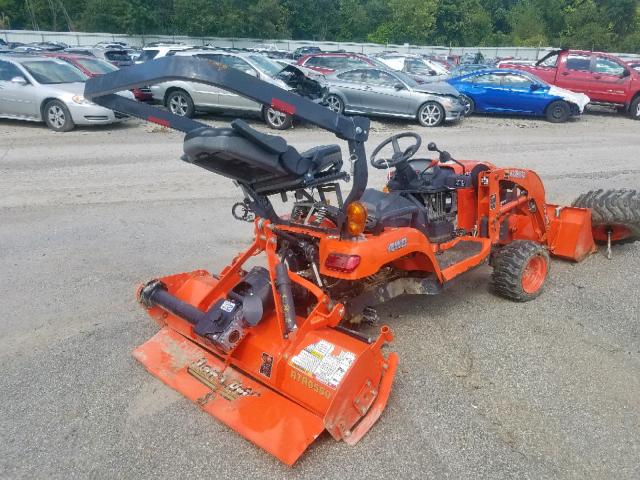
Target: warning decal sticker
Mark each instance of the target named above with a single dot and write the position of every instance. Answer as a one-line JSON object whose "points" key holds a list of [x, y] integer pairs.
{"points": [[318, 360]]}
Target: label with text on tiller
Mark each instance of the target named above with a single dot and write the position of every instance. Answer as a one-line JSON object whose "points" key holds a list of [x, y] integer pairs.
{"points": [[319, 361]]}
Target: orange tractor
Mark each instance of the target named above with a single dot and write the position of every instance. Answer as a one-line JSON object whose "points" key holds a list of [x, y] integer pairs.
{"points": [[271, 350]]}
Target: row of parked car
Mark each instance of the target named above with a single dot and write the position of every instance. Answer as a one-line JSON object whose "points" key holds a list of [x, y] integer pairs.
{"points": [[47, 85]]}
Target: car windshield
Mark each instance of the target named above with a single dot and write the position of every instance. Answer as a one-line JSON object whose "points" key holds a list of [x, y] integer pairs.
{"points": [[406, 79], [50, 72], [267, 66], [95, 65], [147, 55], [534, 78], [117, 56], [378, 63]]}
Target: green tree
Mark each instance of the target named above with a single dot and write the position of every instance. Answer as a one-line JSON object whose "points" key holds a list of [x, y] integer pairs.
{"points": [[526, 25], [410, 21], [464, 22], [265, 19], [313, 19], [194, 17], [585, 27], [601, 24]]}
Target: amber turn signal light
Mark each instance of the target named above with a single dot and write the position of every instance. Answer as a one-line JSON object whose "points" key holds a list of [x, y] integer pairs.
{"points": [[356, 218]]}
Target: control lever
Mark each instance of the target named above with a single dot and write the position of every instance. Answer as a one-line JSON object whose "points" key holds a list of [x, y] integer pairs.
{"points": [[444, 155]]}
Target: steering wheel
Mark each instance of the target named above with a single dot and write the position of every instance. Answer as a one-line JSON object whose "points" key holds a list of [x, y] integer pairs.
{"points": [[398, 155]]}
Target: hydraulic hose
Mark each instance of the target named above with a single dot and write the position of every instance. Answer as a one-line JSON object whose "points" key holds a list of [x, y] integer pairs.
{"points": [[283, 286]]}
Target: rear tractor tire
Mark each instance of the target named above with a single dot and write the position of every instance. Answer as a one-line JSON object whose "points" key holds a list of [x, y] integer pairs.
{"points": [[613, 211], [520, 270]]}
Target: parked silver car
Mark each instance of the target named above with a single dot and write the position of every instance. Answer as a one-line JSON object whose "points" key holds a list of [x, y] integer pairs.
{"points": [[48, 90], [416, 67], [185, 98], [374, 91]]}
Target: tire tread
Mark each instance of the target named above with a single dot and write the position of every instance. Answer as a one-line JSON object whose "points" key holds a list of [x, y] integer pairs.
{"points": [[613, 207], [508, 265]]}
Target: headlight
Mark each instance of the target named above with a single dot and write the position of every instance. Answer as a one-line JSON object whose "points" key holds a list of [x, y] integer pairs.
{"points": [[447, 102], [79, 99]]}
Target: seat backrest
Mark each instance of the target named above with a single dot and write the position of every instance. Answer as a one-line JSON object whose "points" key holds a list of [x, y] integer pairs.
{"points": [[270, 143]]}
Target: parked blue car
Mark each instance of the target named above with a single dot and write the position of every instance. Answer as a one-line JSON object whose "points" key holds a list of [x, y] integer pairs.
{"points": [[517, 92]]}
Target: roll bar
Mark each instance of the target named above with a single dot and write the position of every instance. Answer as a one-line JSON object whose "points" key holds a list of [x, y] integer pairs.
{"points": [[102, 90]]}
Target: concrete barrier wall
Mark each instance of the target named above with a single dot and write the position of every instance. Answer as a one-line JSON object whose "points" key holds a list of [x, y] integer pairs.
{"points": [[84, 38]]}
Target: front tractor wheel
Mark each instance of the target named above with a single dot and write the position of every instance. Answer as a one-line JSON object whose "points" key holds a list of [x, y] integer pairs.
{"points": [[520, 270], [614, 213]]}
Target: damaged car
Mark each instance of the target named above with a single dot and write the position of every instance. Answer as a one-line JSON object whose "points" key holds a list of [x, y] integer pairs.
{"points": [[187, 98], [517, 93], [416, 67], [388, 93]]}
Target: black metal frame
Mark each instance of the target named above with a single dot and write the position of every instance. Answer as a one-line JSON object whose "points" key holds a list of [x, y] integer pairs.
{"points": [[102, 90]]}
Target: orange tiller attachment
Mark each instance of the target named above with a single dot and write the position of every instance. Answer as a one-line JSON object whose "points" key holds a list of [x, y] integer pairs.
{"points": [[280, 391]]}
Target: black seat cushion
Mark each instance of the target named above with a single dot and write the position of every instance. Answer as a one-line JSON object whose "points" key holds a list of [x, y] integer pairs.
{"points": [[388, 210], [224, 151], [251, 157]]}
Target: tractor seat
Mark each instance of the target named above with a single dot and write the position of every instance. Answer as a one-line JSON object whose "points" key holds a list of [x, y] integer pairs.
{"points": [[250, 157], [388, 210]]}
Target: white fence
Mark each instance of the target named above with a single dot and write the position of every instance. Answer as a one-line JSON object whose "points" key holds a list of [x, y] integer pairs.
{"points": [[81, 38]]}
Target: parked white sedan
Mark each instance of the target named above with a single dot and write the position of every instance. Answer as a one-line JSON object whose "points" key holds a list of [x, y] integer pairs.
{"points": [[48, 90]]}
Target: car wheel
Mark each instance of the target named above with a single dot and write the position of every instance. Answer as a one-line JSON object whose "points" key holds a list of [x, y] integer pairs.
{"points": [[180, 103], [275, 119], [335, 103], [558, 111], [57, 117], [634, 108], [469, 105], [431, 114]]}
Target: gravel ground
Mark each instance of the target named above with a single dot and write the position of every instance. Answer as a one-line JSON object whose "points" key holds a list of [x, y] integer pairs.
{"points": [[486, 388]]}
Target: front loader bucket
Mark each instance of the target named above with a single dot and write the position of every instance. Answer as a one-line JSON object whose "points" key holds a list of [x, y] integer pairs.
{"points": [[266, 418], [570, 233]]}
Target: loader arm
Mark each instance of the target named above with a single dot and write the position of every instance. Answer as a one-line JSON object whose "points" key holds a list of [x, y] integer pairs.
{"points": [[102, 90]]}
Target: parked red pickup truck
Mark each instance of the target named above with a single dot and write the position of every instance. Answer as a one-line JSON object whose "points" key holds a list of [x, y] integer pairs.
{"points": [[606, 79]]}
